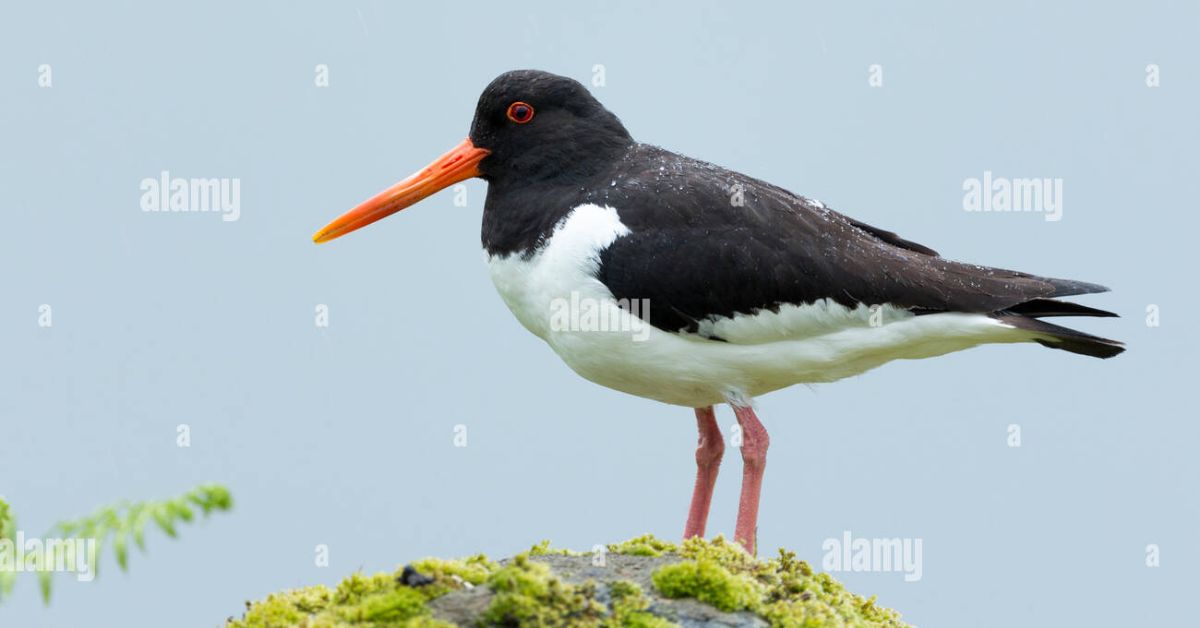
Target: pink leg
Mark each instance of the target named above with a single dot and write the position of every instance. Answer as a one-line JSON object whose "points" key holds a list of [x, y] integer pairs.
{"points": [[708, 463], [754, 459]]}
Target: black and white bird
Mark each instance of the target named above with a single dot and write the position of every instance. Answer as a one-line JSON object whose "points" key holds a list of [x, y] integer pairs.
{"points": [[748, 288]]}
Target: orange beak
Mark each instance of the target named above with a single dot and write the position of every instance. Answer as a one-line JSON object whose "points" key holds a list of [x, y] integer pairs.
{"points": [[461, 163]]}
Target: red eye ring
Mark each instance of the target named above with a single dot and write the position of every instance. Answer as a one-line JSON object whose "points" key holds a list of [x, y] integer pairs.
{"points": [[520, 112]]}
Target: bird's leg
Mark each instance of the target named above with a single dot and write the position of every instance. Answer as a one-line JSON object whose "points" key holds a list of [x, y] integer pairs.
{"points": [[754, 460], [708, 463]]}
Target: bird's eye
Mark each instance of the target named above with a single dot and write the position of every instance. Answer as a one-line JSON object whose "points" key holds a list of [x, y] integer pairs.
{"points": [[520, 112]]}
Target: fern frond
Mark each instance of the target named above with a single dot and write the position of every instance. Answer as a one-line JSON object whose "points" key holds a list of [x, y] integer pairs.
{"points": [[8, 531], [119, 524]]}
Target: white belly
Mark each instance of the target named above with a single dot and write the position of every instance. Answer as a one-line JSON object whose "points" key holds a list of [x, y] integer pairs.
{"points": [[555, 295]]}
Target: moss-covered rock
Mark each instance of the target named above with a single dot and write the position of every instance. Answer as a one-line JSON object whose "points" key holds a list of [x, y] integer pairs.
{"points": [[644, 582]]}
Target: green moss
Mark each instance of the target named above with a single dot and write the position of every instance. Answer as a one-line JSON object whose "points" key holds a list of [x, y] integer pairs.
{"points": [[728, 554], [474, 569], [362, 600], [384, 607], [645, 545], [785, 591], [709, 582], [629, 606], [527, 594], [285, 609], [543, 549]]}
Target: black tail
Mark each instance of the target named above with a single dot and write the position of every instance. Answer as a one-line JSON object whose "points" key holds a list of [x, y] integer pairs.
{"points": [[1041, 308], [1025, 316]]}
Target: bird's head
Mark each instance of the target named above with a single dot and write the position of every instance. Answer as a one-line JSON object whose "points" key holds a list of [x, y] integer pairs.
{"points": [[529, 126]]}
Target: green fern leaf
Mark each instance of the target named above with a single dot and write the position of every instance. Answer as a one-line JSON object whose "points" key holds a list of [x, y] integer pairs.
{"points": [[122, 522]]}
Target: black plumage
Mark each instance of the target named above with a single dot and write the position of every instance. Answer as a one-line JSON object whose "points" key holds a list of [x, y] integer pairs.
{"points": [[706, 242]]}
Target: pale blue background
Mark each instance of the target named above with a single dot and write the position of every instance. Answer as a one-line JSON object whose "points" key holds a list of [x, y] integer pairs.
{"points": [[343, 436]]}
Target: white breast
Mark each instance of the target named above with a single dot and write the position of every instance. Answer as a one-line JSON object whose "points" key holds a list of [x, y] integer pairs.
{"points": [[555, 295]]}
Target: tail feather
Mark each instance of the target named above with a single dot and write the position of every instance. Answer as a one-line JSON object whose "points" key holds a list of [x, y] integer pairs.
{"points": [[1068, 287], [1038, 308], [1059, 337]]}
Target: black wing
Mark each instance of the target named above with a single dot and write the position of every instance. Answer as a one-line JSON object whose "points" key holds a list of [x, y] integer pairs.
{"points": [[697, 254]]}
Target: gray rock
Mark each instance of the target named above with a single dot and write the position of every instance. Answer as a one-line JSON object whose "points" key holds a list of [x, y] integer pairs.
{"points": [[465, 607]]}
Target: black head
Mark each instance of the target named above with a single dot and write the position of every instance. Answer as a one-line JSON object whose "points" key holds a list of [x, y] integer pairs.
{"points": [[529, 126], [539, 125]]}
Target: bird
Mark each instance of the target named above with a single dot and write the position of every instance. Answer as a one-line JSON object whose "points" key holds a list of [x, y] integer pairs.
{"points": [[676, 280]]}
